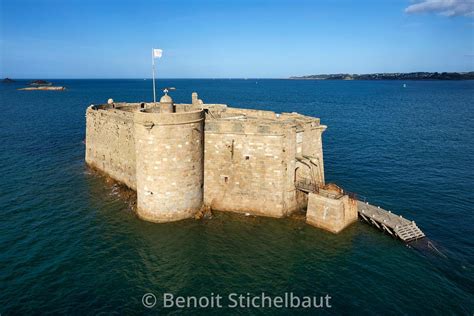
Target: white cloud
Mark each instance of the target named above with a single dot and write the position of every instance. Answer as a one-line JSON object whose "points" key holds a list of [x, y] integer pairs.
{"points": [[444, 7]]}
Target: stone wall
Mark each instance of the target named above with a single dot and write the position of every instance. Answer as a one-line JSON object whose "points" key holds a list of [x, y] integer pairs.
{"points": [[249, 167], [312, 149], [331, 213], [110, 144], [244, 161], [170, 175]]}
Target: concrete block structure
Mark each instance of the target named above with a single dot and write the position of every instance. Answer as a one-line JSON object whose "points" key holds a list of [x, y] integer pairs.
{"points": [[181, 157], [331, 209]]}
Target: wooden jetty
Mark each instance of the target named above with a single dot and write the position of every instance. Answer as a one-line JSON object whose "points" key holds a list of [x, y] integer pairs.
{"points": [[393, 224]]}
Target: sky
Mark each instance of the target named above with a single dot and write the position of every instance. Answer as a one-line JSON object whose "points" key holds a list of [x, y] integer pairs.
{"points": [[233, 39]]}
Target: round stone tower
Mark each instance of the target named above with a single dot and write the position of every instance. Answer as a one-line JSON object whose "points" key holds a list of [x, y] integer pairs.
{"points": [[169, 162]]}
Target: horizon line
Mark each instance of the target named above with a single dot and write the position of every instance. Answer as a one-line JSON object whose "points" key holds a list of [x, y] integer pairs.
{"points": [[225, 78], [137, 78]]}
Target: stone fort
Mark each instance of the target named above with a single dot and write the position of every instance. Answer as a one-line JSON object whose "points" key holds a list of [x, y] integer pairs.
{"points": [[180, 158]]}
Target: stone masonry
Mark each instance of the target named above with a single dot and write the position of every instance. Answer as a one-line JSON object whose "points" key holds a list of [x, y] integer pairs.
{"points": [[181, 157], [331, 209]]}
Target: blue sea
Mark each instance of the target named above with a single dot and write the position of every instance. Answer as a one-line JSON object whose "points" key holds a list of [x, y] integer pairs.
{"points": [[69, 243]]}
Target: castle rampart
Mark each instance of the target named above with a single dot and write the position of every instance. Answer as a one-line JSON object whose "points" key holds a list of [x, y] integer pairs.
{"points": [[180, 157], [110, 143], [245, 168]]}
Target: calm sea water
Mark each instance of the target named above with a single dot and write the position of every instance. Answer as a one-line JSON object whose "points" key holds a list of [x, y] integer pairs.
{"points": [[70, 244]]}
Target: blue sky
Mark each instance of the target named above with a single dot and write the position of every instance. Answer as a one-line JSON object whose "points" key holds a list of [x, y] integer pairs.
{"points": [[222, 39]]}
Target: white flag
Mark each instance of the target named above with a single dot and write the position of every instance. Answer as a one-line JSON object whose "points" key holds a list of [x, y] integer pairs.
{"points": [[157, 53]]}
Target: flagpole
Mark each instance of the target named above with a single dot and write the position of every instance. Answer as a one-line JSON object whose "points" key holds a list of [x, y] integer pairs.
{"points": [[153, 67]]}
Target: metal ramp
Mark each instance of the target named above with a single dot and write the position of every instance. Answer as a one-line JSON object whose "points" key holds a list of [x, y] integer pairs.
{"points": [[409, 232], [393, 224]]}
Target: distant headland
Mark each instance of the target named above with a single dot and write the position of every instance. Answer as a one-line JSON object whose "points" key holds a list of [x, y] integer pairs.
{"points": [[392, 76]]}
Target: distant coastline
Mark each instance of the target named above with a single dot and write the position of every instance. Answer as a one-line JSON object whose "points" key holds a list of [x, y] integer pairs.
{"points": [[392, 76]]}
